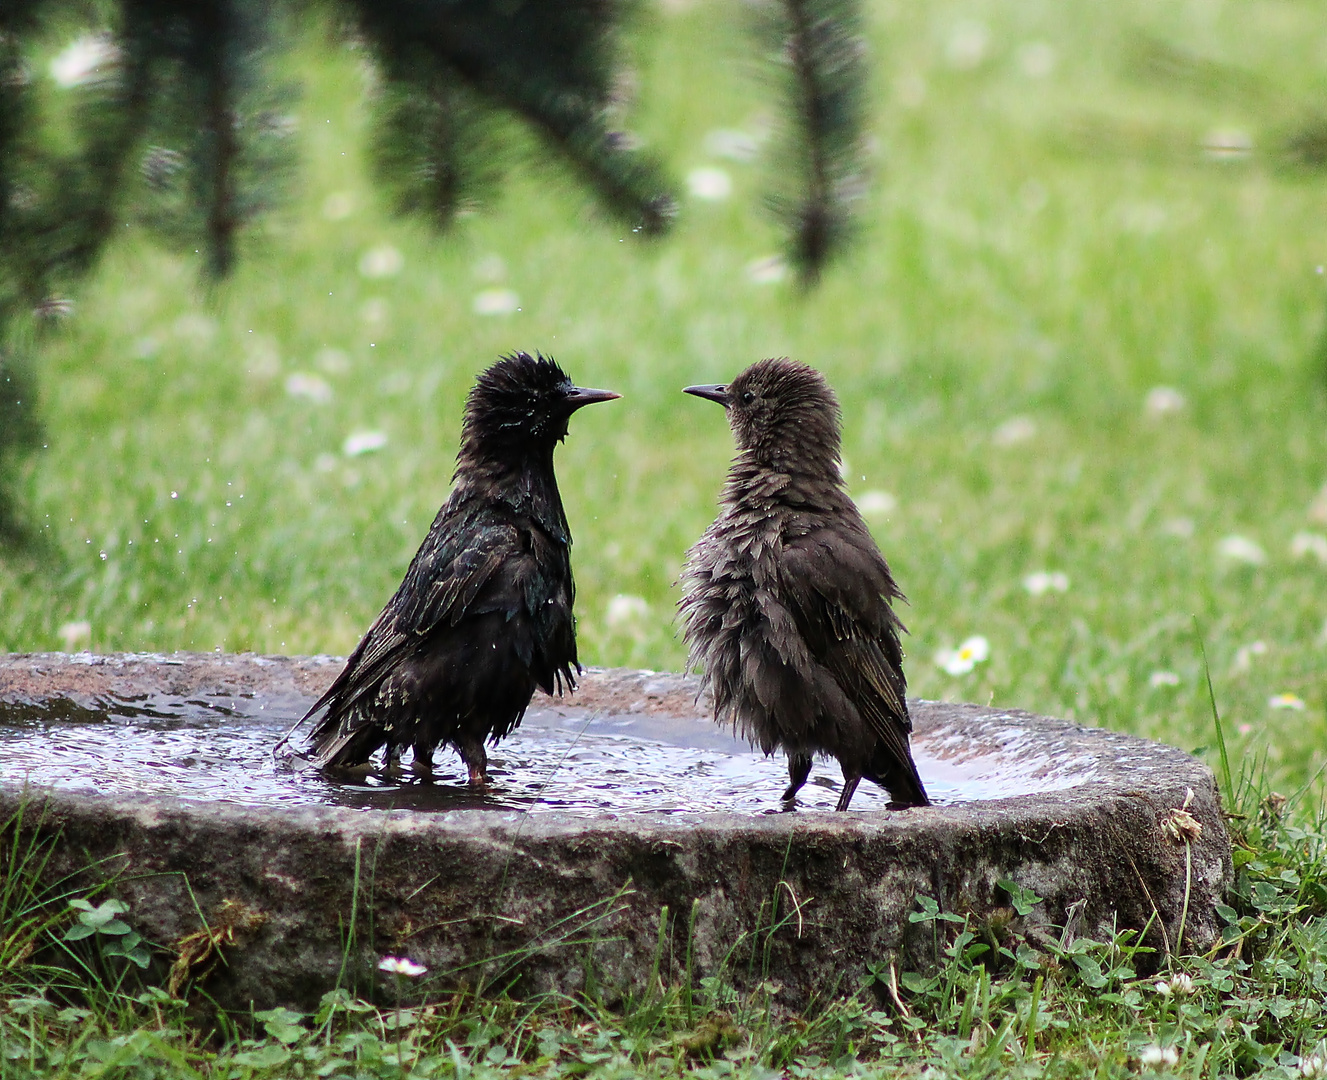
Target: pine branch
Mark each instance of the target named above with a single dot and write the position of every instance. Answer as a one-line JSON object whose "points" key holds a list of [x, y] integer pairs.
{"points": [[436, 148], [820, 44], [550, 62], [218, 152]]}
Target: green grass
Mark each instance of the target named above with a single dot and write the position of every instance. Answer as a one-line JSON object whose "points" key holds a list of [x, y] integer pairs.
{"points": [[1047, 246], [1004, 996], [1043, 246]]}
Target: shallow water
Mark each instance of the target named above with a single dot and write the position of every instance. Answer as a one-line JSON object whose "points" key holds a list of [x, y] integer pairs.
{"points": [[219, 750]]}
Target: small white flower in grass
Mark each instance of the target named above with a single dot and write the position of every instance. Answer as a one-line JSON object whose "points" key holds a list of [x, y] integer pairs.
{"points": [[1303, 544], [311, 387], [1044, 581], [876, 505], [1163, 678], [1037, 59], [76, 635], [975, 650], [1158, 1057], [1245, 654], [363, 442], [381, 261], [768, 270], [1015, 430], [1242, 550], [88, 59], [1178, 985], [401, 965], [1318, 507], [1163, 401], [709, 183], [496, 302], [1180, 526], [1286, 701], [1227, 144], [338, 206], [966, 47], [623, 610], [1313, 1066]]}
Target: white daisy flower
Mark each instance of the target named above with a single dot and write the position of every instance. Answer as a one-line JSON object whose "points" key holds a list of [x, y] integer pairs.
{"points": [[311, 387], [1044, 581], [363, 442], [876, 504], [709, 183], [1158, 1057], [1286, 701], [1162, 401], [624, 610], [960, 661], [1240, 549], [401, 965], [381, 261], [496, 302]]}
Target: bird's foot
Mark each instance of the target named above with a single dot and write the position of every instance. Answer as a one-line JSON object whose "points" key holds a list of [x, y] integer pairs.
{"points": [[849, 788], [478, 777]]}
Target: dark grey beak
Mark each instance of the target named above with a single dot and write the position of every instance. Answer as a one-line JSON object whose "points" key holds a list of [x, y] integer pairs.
{"points": [[710, 392], [583, 395]]}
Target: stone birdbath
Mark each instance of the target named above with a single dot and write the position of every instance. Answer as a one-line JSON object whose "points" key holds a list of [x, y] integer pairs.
{"points": [[625, 836]]}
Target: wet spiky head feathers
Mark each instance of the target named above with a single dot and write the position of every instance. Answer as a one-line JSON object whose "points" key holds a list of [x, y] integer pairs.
{"points": [[522, 399], [782, 410]]}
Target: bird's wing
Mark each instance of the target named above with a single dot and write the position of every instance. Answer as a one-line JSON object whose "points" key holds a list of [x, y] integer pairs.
{"points": [[837, 586], [456, 561]]}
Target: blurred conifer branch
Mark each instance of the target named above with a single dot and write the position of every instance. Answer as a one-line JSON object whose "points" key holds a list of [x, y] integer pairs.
{"points": [[168, 113], [819, 46]]}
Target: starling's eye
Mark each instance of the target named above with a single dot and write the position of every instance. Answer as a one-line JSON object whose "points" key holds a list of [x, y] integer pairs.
{"points": [[748, 397]]}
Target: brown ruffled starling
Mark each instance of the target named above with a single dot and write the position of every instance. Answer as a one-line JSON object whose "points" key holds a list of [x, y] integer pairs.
{"points": [[787, 600]]}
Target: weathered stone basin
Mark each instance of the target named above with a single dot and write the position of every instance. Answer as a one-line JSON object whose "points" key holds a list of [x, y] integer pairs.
{"points": [[608, 808]]}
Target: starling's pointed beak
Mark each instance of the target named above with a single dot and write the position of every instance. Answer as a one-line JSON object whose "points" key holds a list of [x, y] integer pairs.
{"points": [[583, 395], [710, 391]]}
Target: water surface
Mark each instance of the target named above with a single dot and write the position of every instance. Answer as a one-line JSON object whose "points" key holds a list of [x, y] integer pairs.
{"points": [[218, 749]]}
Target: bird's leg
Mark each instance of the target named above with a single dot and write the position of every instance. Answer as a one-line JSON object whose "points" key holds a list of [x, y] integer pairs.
{"points": [[849, 786], [423, 763], [472, 753], [799, 768]]}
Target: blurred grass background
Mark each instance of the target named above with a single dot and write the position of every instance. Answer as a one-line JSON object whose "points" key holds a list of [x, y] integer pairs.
{"points": [[1075, 205]]}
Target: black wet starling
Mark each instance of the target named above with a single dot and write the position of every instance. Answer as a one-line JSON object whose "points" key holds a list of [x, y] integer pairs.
{"points": [[484, 614], [786, 603]]}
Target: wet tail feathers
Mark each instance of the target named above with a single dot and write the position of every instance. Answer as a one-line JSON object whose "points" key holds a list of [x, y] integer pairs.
{"points": [[900, 779], [339, 744]]}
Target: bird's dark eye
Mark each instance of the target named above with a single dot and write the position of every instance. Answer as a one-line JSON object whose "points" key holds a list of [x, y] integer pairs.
{"points": [[748, 397]]}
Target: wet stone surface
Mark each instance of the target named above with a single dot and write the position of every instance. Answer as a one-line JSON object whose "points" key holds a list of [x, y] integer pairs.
{"points": [[605, 808]]}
